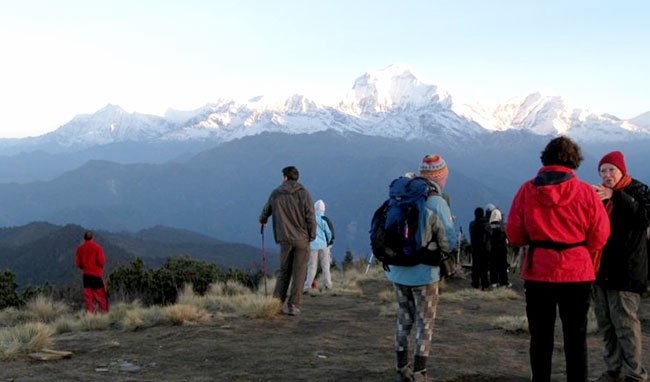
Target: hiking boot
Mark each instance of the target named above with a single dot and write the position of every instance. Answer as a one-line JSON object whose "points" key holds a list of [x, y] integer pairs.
{"points": [[420, 376], [404, 374], [291, 310], [609, 376]]}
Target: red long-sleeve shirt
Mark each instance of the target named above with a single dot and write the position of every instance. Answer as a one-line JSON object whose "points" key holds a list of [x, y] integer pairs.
{"points": [[90, 259]]}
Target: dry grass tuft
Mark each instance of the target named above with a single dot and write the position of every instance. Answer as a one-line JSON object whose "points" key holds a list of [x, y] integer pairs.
{"points": [[132, 320], [270, 286], [88, 321], [180, 314], [46, 309], [387, 296], [229, 288], [24, 339], [472, 294], [13, 316], [256, 306], [120, 310], [188, 297], [511, 324], [65, 324]]}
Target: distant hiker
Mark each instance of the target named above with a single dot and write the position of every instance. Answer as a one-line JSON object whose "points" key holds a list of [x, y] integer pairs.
{"points": [[622, 277], [417, 286], [498, 250], [479, 236], [564, 224], [319, 248], [294, 227], [488, 209], [90, 259]]}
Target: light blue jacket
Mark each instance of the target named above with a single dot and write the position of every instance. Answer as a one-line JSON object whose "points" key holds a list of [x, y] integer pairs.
{"points": [[323, 233], [440, 225]]}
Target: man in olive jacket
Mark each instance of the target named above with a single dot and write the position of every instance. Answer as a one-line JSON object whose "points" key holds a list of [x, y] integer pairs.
{"points": [[294, 226], [623, 269]]}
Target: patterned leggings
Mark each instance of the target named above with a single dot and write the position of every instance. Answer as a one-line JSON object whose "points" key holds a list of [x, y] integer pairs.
{"points": [[415, 304]]}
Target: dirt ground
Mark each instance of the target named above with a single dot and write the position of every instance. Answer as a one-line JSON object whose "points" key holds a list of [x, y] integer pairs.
{"points": [[336, 338]]}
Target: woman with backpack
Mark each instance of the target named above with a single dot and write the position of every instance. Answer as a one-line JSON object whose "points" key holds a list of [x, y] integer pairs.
{"points": [[416, 286]]}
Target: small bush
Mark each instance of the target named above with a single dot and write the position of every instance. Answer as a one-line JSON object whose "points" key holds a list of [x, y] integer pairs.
{"points": [[256, 306], [24, 339], [132, 319], [65, 324], [8, 290], [45, 308], [89, 321], [387, 296], [179, 314], [511, 324], [188, 297]]}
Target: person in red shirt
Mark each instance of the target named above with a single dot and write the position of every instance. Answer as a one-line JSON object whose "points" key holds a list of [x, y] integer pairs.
{"points": [[564, 224], [90, 259]]}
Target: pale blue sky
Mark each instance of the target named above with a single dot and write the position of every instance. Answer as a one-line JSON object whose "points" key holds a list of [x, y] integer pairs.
{"points": [[62, 58]]}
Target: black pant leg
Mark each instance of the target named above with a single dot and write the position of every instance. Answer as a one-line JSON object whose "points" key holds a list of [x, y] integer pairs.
{"points": [[541, 304], [574, 301]]}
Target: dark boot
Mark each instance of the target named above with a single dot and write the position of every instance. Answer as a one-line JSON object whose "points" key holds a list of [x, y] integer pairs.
{"points": [[404, 374]]}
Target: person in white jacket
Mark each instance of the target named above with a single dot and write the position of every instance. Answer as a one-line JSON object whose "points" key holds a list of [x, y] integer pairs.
{"points": [[319, 249]]}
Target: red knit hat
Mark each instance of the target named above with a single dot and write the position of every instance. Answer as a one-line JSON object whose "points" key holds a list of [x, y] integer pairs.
{"points": [[616, 158]]}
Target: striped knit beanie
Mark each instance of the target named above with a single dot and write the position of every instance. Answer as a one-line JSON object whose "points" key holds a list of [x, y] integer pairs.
{"points": [[434, 168]]}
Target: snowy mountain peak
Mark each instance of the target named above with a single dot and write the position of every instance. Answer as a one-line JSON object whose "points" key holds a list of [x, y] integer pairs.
{"points": [[642, 121], [111, 110], [394, 87], [537, 113], [300, 104], [392, 102]]}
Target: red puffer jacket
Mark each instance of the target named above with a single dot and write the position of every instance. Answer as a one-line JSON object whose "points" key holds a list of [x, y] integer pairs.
{"points": [[558, 208], [90, 259]]}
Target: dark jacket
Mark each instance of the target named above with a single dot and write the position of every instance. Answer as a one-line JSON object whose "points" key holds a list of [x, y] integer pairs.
{"points": [[624, 263], [293, 213], [498, 240], [479, 234]]}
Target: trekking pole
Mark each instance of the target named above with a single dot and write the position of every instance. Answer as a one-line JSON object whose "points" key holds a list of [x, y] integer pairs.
{"points": [[460, 245], [370, 257], [266, 293]]}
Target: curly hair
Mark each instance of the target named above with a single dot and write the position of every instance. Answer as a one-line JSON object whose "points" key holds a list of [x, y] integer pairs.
{"points": [[562, 151]]}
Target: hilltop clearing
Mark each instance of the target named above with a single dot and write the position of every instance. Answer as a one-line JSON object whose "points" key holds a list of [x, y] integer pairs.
{"points": [[338, 337]]}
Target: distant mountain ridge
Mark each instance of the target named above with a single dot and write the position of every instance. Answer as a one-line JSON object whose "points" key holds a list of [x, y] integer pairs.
{"points": [[219, 192], [42, 252], [391, 102]]}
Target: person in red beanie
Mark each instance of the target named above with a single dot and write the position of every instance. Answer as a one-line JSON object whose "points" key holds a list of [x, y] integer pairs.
{"points": [[623, 271], [90, 259], [564, 224]]}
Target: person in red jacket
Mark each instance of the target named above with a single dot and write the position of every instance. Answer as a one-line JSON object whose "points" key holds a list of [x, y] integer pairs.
{"points": [[564, 223], [90, 259]]}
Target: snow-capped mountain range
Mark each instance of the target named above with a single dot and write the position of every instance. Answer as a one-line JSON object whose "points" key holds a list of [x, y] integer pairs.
{"points": [[391, 102]]}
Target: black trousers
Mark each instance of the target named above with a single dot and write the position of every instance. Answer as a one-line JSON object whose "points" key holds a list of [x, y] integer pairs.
{"points": [[480, 263], [542, 301], [499, 268]]}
